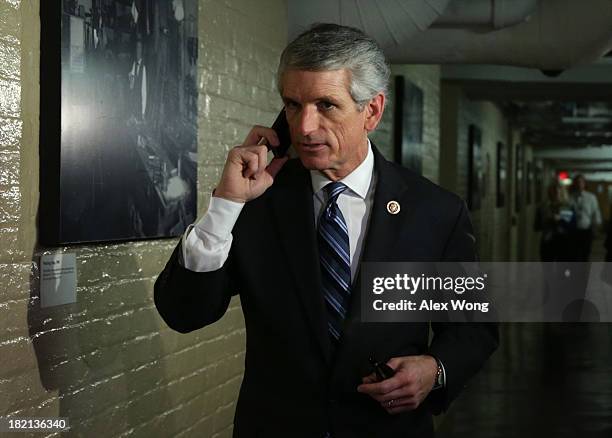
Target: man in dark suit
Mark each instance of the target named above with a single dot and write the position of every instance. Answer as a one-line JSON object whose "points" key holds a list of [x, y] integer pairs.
{"points": [[288, 236]]}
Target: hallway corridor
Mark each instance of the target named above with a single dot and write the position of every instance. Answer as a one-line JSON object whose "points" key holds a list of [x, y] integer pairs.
{"points": [[546, 380]]}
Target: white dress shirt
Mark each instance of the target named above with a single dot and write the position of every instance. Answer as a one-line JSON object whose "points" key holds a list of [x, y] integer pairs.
{"points": [[587, 210], [207, 247]]}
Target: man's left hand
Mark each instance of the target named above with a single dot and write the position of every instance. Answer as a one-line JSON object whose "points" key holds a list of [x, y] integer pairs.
{"points": [[405, 391]]}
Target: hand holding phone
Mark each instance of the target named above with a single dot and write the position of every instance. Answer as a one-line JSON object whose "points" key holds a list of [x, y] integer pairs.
{"points": [[247, 173]]}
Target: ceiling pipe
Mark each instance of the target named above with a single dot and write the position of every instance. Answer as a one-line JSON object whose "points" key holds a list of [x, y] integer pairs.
{"points": [[597, 153]]}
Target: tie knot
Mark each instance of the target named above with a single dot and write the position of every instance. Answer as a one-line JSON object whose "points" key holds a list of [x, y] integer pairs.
{"points": [[333, 190]]}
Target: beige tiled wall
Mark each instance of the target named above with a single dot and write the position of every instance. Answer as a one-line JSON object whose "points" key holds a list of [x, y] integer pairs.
{"points": [[108, 362]]}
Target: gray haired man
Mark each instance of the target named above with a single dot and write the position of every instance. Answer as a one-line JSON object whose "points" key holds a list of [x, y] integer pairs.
{"points": [[289, 236]]}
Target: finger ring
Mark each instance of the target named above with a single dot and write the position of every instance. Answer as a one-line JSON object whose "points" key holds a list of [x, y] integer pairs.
{"points": [[390, 403]]}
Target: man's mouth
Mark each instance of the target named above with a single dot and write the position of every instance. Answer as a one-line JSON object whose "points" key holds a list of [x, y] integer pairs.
{"points": [[312, 145]]}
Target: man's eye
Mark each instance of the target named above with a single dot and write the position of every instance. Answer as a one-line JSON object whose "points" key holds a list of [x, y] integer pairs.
{"points": [[326, 106]]}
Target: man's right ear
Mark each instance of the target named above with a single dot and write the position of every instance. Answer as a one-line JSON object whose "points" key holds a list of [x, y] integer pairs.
{"points": [[374, 111]]}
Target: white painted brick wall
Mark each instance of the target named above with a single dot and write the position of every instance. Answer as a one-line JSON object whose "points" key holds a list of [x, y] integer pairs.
{"points": [[108, 362]]}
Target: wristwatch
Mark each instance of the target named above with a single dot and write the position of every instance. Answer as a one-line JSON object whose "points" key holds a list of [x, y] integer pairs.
{"points": [[440, 380]]}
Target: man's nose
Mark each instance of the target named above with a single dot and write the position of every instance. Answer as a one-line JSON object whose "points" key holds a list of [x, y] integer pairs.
{"points": [[309, 120]]}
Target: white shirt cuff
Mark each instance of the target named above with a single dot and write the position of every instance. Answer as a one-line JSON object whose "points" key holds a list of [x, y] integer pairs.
{"points": [[207, 247], [220, 218]]}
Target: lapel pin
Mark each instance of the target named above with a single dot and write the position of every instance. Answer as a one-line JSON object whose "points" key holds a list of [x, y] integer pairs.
{"points": [[393, 207]]}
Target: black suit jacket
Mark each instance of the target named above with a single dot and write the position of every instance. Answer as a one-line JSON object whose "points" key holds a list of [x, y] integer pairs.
{"points": [[294, 385]]}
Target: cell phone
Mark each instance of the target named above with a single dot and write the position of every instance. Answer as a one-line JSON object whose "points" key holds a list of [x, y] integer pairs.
{"points": [[381, 369], [281, 127]]}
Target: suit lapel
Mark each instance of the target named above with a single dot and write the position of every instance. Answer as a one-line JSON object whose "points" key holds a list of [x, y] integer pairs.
{"points": [[293, 211], [384, 228]]}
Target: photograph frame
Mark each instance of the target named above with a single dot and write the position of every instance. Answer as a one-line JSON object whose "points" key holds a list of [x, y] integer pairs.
{"points": [[118, 152], [475, 168], [501, 179], [518, 177], [408, 124], [529, 182]]}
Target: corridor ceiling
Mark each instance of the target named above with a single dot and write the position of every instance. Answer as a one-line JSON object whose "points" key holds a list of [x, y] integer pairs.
{"points": [[543, 61], [542, 34]]}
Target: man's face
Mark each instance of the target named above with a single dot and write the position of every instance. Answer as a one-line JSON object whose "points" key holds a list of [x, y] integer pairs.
{"points": [[328, 130]]}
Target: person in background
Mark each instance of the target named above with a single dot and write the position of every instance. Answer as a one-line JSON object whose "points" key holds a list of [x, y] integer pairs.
{"points": [[556, 220], [588, 217]]}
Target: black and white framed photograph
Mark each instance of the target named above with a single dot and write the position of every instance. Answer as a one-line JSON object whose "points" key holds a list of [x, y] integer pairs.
{"points": [[475, 169], [519, 177], [529, 183], [500, 175], [408, 125], [486, 175], [118, 119], [539, 181]]}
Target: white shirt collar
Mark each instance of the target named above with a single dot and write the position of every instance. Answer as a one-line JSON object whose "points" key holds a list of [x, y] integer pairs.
{"points": [[358, 181]]}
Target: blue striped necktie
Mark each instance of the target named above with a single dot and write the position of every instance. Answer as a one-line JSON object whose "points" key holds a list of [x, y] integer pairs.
{"points": [[334, 255]]}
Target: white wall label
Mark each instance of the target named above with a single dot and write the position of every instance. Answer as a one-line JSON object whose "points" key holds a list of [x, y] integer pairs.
{"points": [[57, 279]]}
